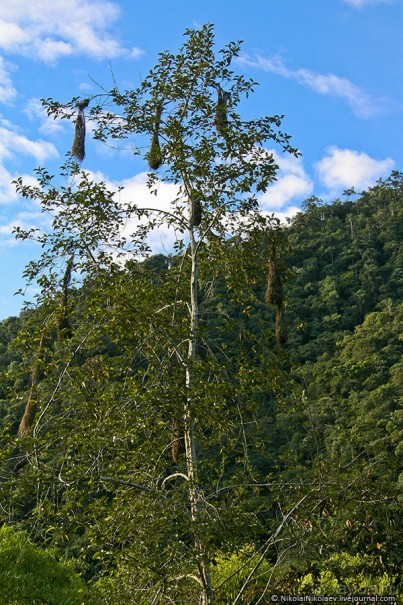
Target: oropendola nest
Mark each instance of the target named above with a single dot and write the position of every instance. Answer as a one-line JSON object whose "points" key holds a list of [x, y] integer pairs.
{"points": [[221, 119], [281, 326], [195, 209], [155, 155], [78, 148], [274, 291]]}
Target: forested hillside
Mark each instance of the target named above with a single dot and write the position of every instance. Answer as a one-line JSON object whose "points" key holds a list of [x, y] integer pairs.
{"points": [[299, 435]]}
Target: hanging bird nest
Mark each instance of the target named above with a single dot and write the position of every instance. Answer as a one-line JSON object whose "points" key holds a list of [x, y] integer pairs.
{"points": [[274, 290], [195, 209], [29, 414], [78, 148], [83, 104], [221, 118], [281, 326], [155, 155], [64, 327]]}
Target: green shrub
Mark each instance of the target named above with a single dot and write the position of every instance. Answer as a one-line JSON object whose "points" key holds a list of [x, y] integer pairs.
{"points": [[30, 575]]}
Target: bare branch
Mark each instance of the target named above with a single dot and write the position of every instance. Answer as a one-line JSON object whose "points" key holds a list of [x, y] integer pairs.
{"points": [[190, 576], [172, 477]]}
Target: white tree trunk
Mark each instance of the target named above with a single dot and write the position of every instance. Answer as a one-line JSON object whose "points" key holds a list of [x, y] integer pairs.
{"points": [[196, 504]]}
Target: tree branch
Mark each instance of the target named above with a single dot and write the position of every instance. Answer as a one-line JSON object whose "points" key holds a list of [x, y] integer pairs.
{"points": [[173, 476]]}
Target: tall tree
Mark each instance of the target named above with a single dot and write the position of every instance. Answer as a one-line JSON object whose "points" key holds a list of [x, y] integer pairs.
{"points": [[183, 120]]}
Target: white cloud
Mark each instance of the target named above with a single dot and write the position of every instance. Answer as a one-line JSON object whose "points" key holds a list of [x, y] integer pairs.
{"points": [[6, 229], [7, 90], [135, 190], [163, 238], [26, 221], [12, 143], [51, 29], [361, 3], [135, 52], [7, 190], [288, 213], [344, 168], [288, 187], [362, 104], [36, 113], [292, 184]]}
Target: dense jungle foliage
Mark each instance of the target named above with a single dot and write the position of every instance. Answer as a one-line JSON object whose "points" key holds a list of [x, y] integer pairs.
{"points": [[301, 442]]}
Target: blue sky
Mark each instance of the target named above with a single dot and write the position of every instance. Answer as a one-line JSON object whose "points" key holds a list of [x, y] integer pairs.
{"points": [[333, 67]]}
